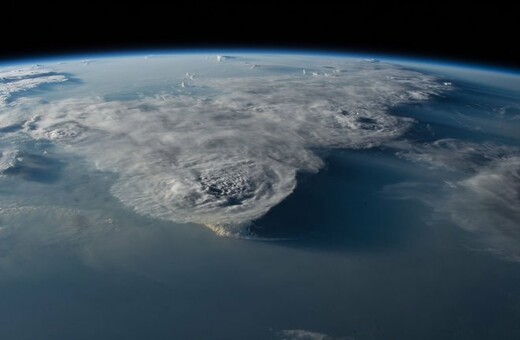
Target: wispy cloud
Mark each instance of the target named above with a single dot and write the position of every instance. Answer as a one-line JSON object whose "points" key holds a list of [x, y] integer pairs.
{"points": [[302, 334], [484, 196]]}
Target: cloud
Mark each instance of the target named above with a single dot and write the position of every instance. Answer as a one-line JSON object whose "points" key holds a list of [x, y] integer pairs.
{"points": [[227, 155], [488, 204], [302, 334], [24, 79], [7, 159], [484, 197], [455, 155]]}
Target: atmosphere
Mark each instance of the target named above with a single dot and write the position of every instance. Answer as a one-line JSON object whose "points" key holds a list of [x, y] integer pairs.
{"points": [[259, 171], [293, 196]]}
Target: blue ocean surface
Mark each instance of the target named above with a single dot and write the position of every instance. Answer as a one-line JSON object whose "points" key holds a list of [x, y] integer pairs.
{"points": [[354, 258]]}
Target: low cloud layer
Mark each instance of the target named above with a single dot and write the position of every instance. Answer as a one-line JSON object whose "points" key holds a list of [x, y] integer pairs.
{"points": [[485, 197]]}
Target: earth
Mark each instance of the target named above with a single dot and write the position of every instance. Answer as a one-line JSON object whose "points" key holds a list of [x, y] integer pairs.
{"points": [[258, 196]]}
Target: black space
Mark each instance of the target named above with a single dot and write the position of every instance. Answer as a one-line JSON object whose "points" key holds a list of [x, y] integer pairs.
{"points": [[477, 33]]}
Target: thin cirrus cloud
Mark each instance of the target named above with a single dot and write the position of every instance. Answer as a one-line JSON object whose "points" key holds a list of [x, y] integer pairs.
{"points": [[483, 198], [303, 334], [488, 204]]}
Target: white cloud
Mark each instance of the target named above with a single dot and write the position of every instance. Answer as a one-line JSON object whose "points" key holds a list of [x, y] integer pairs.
{"points": [[20, 80], [226, 158], [7, 159], [24, 73]]}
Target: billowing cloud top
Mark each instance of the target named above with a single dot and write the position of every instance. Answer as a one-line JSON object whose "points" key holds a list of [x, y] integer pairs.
{"points": [[223, 156]]}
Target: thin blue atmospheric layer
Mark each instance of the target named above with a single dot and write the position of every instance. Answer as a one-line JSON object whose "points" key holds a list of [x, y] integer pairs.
{"points": [[421, 60]]}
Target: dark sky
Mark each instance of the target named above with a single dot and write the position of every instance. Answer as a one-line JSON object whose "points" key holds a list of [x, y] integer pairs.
{"points": [[466, 32]]}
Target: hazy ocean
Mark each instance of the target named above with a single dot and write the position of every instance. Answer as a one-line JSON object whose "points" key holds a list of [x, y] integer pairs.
{"points": [[358, 263]]}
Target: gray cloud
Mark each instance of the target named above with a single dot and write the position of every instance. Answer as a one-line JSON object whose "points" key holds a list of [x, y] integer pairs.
{"points": [[484, 198], [455, 155], [302, 334], [488, 204]]}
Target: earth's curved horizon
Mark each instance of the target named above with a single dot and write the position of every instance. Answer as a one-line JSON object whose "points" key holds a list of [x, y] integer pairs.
{"points": [[390, 185], [415, 59]]}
